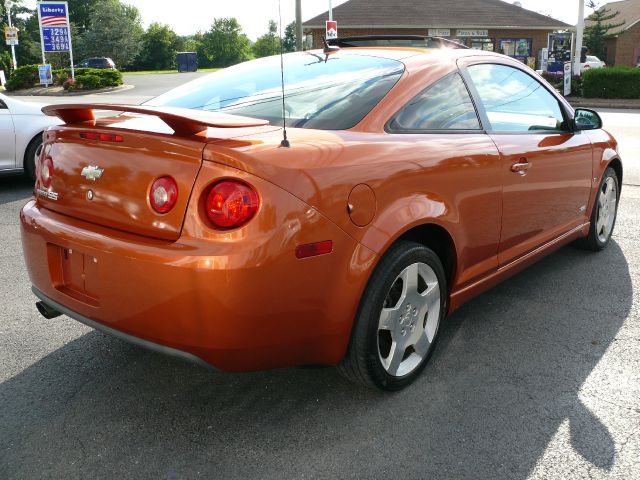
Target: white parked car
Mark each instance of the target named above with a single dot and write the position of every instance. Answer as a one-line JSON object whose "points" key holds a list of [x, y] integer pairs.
{"points": [[21, 127], [592, 62]]}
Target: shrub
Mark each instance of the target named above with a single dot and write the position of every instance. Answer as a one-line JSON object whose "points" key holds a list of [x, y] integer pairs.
{"points": [[557, 81], [612, 82], [88, 82], [106, 78], [23, 77], [69, 84]]}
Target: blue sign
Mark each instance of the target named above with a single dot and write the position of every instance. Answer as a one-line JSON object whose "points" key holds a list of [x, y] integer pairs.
{"points": [[53, 14], [55, 39]]}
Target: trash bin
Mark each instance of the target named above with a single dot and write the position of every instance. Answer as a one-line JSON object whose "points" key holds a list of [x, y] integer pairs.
{"points": [[187, 61]]}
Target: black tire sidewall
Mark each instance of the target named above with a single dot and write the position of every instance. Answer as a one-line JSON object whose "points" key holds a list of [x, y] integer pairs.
{"points": [[29, 157], [395, 262]]}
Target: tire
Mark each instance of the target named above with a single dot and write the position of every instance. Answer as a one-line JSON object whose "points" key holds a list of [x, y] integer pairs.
{"points": [[397, 324], [30, 156], [604, 213]]}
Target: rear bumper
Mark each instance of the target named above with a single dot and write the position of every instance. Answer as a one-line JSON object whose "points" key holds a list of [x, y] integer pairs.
{"points": [[156, 347], [238, 301]]}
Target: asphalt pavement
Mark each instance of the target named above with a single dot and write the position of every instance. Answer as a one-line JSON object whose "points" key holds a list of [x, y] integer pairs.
{"points": [[538, 378]]}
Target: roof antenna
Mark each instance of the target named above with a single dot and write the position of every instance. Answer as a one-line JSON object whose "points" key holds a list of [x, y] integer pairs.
{"points": [[285, 141]]}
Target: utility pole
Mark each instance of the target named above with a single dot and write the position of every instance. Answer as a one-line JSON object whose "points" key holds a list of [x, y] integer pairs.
{"points": [[579, 35], [330, 11], [8, 4], [299, 25]]}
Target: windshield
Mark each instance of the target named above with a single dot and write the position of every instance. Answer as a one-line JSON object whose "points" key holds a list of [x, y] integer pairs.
{"points": [[333, 92]]}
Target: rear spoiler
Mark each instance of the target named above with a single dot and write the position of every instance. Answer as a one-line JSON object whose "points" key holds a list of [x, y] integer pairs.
{"points": [[183, 121]]}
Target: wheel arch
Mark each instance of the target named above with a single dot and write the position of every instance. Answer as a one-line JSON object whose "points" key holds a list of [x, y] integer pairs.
{"points": [[616, 164], [437, 238]]}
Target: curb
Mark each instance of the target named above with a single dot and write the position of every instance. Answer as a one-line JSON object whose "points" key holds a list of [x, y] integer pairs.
{"points": [[50, 92], [618, 103]]}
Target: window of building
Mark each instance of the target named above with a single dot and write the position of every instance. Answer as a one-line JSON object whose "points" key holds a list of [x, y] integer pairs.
{"points": [[485, 44], [445, 105], [515, 101]]}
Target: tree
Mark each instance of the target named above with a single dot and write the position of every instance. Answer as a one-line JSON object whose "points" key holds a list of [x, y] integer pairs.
{"points": [[224, 44], [289, 40], [599, 29], [80, 13], [115, 31], [159, 47], [28, 49], [269, 43]]}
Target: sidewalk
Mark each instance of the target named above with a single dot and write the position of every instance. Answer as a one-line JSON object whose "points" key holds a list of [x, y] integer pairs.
{"points": [[605, 102]]}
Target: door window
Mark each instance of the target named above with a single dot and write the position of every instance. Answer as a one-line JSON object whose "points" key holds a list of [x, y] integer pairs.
{"points": [[515, 101], [445, 105]]}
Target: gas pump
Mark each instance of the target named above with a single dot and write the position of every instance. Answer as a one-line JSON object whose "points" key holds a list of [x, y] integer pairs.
{"points": [[560, 51]]}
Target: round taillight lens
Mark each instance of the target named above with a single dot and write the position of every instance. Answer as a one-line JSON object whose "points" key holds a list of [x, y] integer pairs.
{"points": [[231, 204], [46, 172], [163, 194]]}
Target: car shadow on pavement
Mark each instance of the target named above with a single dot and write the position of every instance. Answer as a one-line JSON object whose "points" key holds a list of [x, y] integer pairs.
{"points": [[506, 375], [13, 188]]}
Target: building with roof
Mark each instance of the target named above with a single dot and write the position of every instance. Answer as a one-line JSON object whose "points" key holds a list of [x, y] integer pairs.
{"points": [[623, 48], [491, 25]]}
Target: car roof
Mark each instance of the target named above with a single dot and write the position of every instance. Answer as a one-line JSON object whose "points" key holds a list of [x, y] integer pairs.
{"points": [[416, 54]]}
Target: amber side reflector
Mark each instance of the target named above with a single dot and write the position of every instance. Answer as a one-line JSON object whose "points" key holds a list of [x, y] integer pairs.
{"points": [[314, 249], [102, 137]]}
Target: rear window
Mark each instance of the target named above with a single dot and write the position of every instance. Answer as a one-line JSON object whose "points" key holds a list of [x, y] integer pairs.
{"points": [[333, 92]]}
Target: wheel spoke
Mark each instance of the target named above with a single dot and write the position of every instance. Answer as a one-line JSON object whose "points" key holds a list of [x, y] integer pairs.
{"points": [[421, 347], [432, 296], [387, 318], [395, 357], [410, 279]]}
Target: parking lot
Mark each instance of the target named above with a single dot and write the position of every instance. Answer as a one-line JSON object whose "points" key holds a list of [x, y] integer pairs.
{"points": [[538, 378]]}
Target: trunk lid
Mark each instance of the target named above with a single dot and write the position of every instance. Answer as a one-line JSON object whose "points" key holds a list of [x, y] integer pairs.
{"points": [[146, 149]]}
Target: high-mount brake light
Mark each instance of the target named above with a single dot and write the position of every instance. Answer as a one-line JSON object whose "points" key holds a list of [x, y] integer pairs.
{"points": [[46, 172], [231, 204], [163, 194], [101, 137]]}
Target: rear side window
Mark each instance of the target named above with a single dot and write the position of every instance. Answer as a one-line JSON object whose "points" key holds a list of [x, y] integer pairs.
{"points": [[329, 92], [445, 105], [515, 101]]}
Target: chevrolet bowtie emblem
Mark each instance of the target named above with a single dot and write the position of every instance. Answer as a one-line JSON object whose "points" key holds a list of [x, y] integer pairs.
{"points": [[92, 173]]}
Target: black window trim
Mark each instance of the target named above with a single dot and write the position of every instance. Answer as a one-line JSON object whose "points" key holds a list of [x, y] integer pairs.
{"points": [[566, 115], [3, 106], [411, 131]]}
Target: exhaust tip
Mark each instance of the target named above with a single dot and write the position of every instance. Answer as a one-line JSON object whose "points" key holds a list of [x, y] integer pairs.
{"points": [[46, 311]]}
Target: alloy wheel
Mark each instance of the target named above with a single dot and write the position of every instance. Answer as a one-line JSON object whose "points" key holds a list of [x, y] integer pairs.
{"points": [[409, 319], [607, 205]]}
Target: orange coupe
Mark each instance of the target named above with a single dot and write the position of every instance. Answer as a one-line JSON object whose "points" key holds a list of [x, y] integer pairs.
{"points": [[409, 181]]}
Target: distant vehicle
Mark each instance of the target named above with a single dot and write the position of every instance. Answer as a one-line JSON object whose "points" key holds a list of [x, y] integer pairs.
{"points": [[592, 62], [21, 127], [97, 62]]}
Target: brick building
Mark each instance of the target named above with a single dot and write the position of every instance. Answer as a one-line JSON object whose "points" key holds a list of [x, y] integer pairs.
{"points": [[483, 24], [624, 47]]}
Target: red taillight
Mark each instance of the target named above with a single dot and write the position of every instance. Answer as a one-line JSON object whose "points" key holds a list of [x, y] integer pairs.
{"points": [[46, 172], [163, 194], [102, 137], [231, 204], [314, 249]]}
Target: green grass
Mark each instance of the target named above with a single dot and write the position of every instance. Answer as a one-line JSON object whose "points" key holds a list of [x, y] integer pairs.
{"points": [[150, 72]]}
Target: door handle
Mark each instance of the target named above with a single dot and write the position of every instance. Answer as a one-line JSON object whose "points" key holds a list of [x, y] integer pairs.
{"points": [[521, 166]]}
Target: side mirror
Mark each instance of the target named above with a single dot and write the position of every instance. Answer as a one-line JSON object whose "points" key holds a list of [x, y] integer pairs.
{"points": [[585, 119]]}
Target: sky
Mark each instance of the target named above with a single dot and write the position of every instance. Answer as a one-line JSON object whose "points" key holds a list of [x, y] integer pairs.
{"points": [[188, 16]]}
